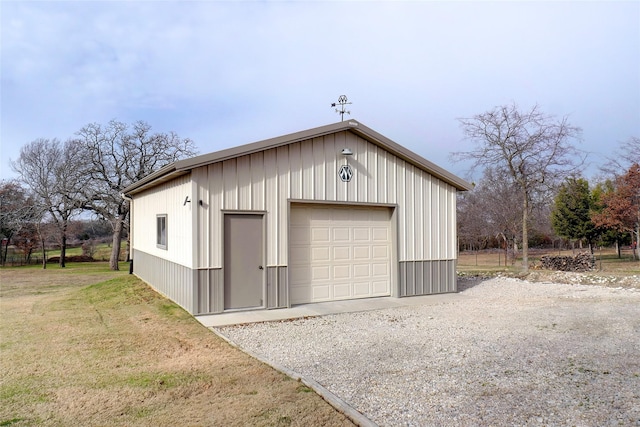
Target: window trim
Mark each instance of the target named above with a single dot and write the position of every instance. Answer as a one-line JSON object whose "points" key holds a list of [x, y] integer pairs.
{"points": [[161, 219]]}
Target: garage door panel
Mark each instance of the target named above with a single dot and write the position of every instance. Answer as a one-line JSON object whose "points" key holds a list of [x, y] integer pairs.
{"points": [[361, 252], [320, 235], [380, 234], [345, 251], [341, 253], [342, 291], [341, 272], [320, 272], [361, 234], [380, 287], [380, 269], [380, 252], [321, 293], [361, 270], [361, 289], [341, 234], [318, 254]]}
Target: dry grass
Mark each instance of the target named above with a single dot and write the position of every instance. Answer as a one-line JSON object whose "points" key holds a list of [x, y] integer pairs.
{"points": [[87, 346], [610, 271]]}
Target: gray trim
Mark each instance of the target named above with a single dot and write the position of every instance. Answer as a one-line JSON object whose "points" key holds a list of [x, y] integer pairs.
{"points": [[277, 287], [182, 167], [427, 277], [172, 280]]}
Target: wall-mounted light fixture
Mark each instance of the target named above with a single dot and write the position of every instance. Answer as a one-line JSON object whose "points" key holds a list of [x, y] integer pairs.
{"points": [[347, 152]]}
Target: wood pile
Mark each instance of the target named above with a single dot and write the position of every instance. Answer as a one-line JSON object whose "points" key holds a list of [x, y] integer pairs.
{"points": [[582, 261]]}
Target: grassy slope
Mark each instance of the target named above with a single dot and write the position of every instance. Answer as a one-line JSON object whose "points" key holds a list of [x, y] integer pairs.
{"points": [[79, 350]]}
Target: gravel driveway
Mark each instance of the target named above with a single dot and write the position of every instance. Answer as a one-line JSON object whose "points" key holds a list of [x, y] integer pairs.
{"points": [[506, 352]]}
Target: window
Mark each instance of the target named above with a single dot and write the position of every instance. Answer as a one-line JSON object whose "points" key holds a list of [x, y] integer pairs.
{"points": [[161, 231]]}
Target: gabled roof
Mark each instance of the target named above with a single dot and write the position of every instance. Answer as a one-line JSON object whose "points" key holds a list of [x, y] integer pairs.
{"points": [[182, 167]]}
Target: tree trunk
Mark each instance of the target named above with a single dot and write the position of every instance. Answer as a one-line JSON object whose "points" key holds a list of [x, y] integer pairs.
{"points": [[63, 249], [44, 249], [525, 234], [116, 242], [6, 251]]}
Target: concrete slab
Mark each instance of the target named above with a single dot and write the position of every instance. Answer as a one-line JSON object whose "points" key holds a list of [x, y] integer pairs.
{"points": [[321, 309]]}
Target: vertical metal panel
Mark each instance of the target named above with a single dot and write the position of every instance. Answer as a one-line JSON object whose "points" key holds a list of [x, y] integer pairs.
{"points": [[420, 206], [230, 184], [257, 181], [306, 153], [282, 206], [172, 280], [202, 246], [373, 176], [427, 277], [319, 170], [214, 238], [210, 298], [295, 162], [244, 178], [383, 176], [331, 160], [277, 287], [272, 195]]}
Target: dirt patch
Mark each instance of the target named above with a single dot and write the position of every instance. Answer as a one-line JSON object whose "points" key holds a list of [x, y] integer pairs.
{"points": [[78, 350]]}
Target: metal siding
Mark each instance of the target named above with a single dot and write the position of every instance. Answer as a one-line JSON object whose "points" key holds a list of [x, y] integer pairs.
{"points": [[308, 170], [372, 171], [282, 206], [243, 182], [427, 277], [257, 181], [169, 199], [214, 239], [277, 287], [230, 184], [172, 280], [272, 195], [295, 163], [306, 153], [419, 211], [210, 297], [319, 172], [331, 166]]}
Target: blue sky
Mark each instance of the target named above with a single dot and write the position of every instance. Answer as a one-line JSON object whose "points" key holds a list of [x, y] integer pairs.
{"points": [[230, 73]]}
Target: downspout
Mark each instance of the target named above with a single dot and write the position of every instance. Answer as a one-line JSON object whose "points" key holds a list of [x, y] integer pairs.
{"points": [[130, 200]]}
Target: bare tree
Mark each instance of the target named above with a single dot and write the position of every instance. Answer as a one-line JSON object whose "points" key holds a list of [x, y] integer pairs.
{"points": [[626, 155], [531, 149], [55, 173], [117, 156], [17, 211]]}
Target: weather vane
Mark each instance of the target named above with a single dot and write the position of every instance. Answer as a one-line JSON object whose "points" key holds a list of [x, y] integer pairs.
{"points": [[342, 101]]}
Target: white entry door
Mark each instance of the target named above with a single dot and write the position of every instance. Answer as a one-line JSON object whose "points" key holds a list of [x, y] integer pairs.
{"points": [[339, 252]]}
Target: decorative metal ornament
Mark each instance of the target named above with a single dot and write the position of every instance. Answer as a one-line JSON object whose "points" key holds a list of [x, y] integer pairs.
{"points": [[342, 101], [345, 173]]}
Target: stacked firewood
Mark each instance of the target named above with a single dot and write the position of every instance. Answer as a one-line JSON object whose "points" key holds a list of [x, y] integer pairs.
{"points": [[582, 261]]}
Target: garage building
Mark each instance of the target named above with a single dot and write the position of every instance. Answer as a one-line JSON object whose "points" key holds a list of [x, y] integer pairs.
{"points": [[331, 213]]}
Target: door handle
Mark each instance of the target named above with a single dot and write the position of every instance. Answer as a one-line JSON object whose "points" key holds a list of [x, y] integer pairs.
{"points": [[260, 267]]}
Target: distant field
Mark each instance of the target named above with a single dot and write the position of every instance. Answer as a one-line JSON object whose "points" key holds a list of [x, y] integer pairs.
{"points": [[493, 261], [102, 253]]}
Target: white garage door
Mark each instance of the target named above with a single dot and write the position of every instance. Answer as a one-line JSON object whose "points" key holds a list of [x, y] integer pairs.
{"points": [[339, 253]]}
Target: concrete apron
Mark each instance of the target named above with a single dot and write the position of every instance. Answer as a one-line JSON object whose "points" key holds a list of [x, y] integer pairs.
{"points": [[322, 309]]}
